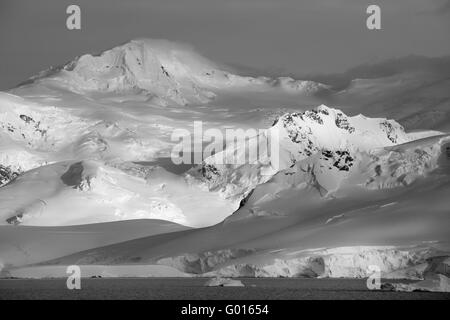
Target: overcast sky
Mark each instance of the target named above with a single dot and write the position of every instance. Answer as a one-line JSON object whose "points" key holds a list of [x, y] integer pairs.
{"points": [[291, 36]]}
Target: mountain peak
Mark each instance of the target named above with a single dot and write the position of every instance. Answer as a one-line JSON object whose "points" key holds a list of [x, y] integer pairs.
{"points": [[329, 128], [167, 72], [303, 136]]}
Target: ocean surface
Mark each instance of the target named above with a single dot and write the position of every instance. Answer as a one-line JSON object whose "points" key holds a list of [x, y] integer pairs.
{"points": [[195, 289]]}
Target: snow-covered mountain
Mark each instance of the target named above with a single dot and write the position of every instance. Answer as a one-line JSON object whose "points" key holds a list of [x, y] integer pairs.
{"points": [[324, 142], [164, 71], [335, 142], [82, 192], [90, 142]]}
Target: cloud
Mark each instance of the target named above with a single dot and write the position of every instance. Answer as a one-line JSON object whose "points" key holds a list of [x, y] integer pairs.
{"points": [[439, 8], [439, 66], [444, 8]]}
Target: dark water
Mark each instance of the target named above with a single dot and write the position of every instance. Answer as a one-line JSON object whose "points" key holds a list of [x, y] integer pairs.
{"points": [[179, 289]]}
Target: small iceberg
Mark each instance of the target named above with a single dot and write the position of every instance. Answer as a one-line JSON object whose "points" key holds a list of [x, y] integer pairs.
{"points": [[223, 282]]}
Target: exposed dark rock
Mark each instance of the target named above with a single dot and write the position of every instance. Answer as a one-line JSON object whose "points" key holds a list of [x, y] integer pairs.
{"points": [[209, 171], [342, 123], [73, 177], [165, 72], [245, 199], [314, 115], [7, 175], [26, 118], [15, 220], [389, 129]]}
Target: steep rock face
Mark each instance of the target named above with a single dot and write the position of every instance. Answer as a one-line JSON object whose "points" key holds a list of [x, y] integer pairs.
{"points": [[349, 262]]}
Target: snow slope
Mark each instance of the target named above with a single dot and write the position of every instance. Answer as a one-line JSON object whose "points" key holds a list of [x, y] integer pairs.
{"points": [[82, 192], [292, 226], [23, 245]]}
